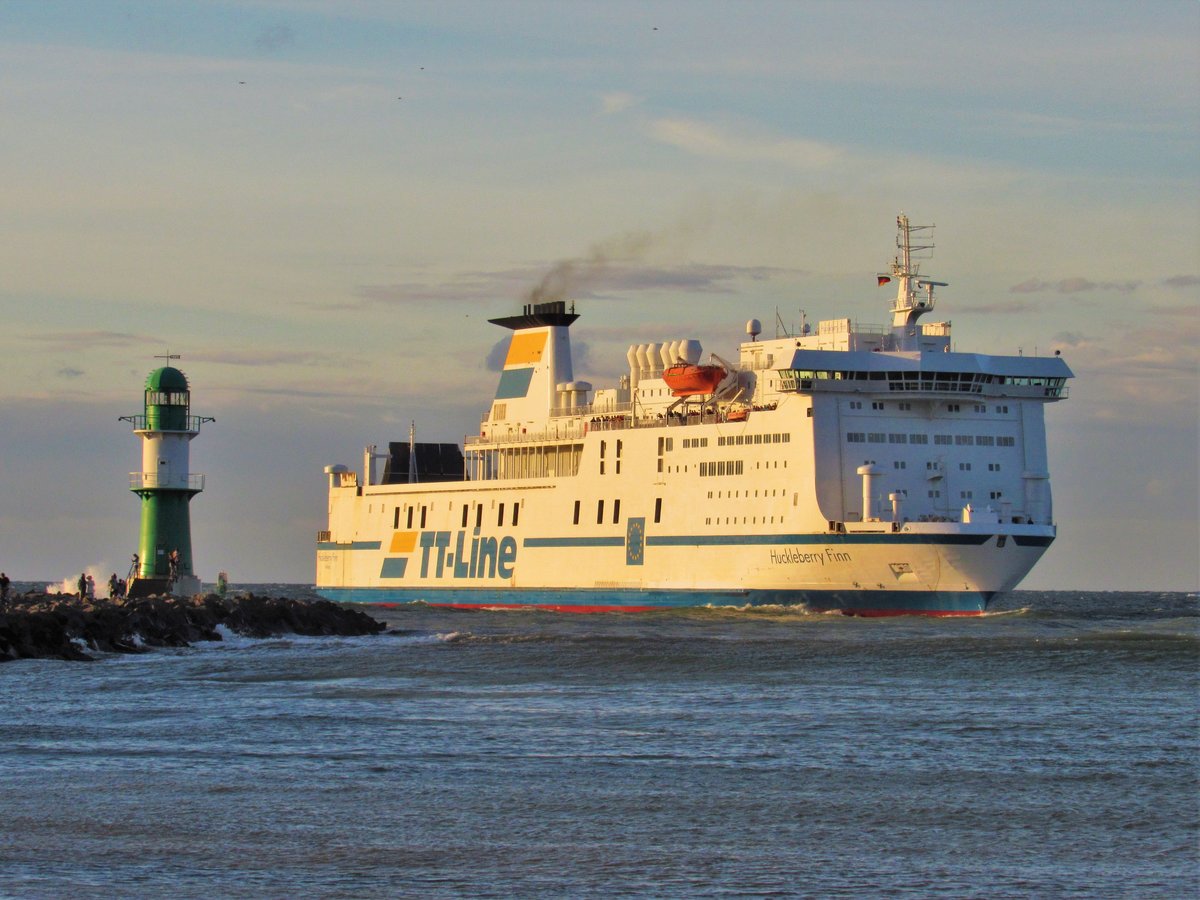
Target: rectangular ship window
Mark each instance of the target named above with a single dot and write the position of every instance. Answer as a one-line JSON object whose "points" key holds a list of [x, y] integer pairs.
{"points": [[396, 520], [423, 516], [616, 510], [466, 510], [599, 511], [500, 515], [516, 511], [576, 520], [410, 517], [479, 516], [657, 510]]}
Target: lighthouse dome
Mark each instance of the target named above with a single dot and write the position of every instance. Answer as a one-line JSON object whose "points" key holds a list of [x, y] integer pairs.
{"points": [[167, 379]]}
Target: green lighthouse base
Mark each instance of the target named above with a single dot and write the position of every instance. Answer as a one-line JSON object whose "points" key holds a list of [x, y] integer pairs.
{"points": [[151, 585]]}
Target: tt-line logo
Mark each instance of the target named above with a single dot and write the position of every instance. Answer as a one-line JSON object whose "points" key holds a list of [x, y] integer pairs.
{"points": [[486, 557]]}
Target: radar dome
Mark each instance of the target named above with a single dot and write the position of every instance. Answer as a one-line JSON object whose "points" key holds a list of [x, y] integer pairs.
{"points": [[754, 328]]}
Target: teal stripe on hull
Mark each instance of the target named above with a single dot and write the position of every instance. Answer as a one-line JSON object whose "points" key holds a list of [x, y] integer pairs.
{"points": [[741, 540], [948, 603]]}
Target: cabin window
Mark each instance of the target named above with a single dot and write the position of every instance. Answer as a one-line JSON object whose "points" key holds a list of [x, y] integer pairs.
{"points": [[658, 510], [423, 516], [516, 512], [599, 511], [410, 518], [500, 515], [479, 516], [396, 520], [466, 510], [616, 510], [576, 520]]}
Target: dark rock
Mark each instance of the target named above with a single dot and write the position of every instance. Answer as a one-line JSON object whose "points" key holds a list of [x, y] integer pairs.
{"points": [[60, 626]]}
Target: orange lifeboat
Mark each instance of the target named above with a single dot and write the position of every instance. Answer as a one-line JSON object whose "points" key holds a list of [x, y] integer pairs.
{"points": [[687, 380]]}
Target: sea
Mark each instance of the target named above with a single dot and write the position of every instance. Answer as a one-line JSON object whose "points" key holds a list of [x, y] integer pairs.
{"points": [[1048, 749]]}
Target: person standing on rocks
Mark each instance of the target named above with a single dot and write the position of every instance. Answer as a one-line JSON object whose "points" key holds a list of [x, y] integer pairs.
{"points": [[112, 586], [5, 581], [82, 585], [91, 588]]}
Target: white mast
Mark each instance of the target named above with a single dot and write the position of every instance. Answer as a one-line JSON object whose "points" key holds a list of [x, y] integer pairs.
{"points": [[412, 451], [914, 295]]}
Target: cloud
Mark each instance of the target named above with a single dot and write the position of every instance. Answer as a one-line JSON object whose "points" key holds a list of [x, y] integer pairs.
{"points": [[617, 102], [1001, 309], [1073, 286], [275, 37], [1181, 281], [88, 340], [1069, 338], [703, 139], [576, 279], [271, 358], [1189, 311]]}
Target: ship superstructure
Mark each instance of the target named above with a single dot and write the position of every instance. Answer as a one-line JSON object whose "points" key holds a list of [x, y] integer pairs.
{"points": [[873, 470]]}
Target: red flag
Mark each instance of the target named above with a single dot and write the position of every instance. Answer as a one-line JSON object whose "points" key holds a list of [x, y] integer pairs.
{"points": [[883, 279]]}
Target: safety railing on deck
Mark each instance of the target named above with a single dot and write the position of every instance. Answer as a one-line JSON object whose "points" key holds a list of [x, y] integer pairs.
{"points": [[148, 480]]}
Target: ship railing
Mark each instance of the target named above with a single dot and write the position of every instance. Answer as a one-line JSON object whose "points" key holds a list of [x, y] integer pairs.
{"points": [[925, 387], [607, 421], [149, 480]]}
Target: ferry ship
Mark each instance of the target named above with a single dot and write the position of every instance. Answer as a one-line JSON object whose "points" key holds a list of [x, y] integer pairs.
{"points": [[863, 469]]}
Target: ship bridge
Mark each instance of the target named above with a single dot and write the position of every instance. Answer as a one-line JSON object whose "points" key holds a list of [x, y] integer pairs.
{"points": [[925, 373]]}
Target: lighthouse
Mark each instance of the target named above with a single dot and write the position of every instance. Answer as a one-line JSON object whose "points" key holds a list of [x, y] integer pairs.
{"points": [[165, 486]]}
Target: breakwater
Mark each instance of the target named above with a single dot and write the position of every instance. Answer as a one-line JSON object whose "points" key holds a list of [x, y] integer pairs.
{"points": [[62, 626]]}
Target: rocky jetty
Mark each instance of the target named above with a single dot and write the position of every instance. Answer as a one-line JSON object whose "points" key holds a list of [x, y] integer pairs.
{"points": [[61, 626]]}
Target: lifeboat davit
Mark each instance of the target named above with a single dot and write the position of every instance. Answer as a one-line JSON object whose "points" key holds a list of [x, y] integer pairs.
{"points": [[688, 380]]}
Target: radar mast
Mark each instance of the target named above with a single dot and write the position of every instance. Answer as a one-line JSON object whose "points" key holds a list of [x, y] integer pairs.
{"points": [[914, 294]]}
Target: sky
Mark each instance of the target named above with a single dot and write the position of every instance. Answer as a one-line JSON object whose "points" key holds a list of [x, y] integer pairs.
{"points": [[318, 206]]}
